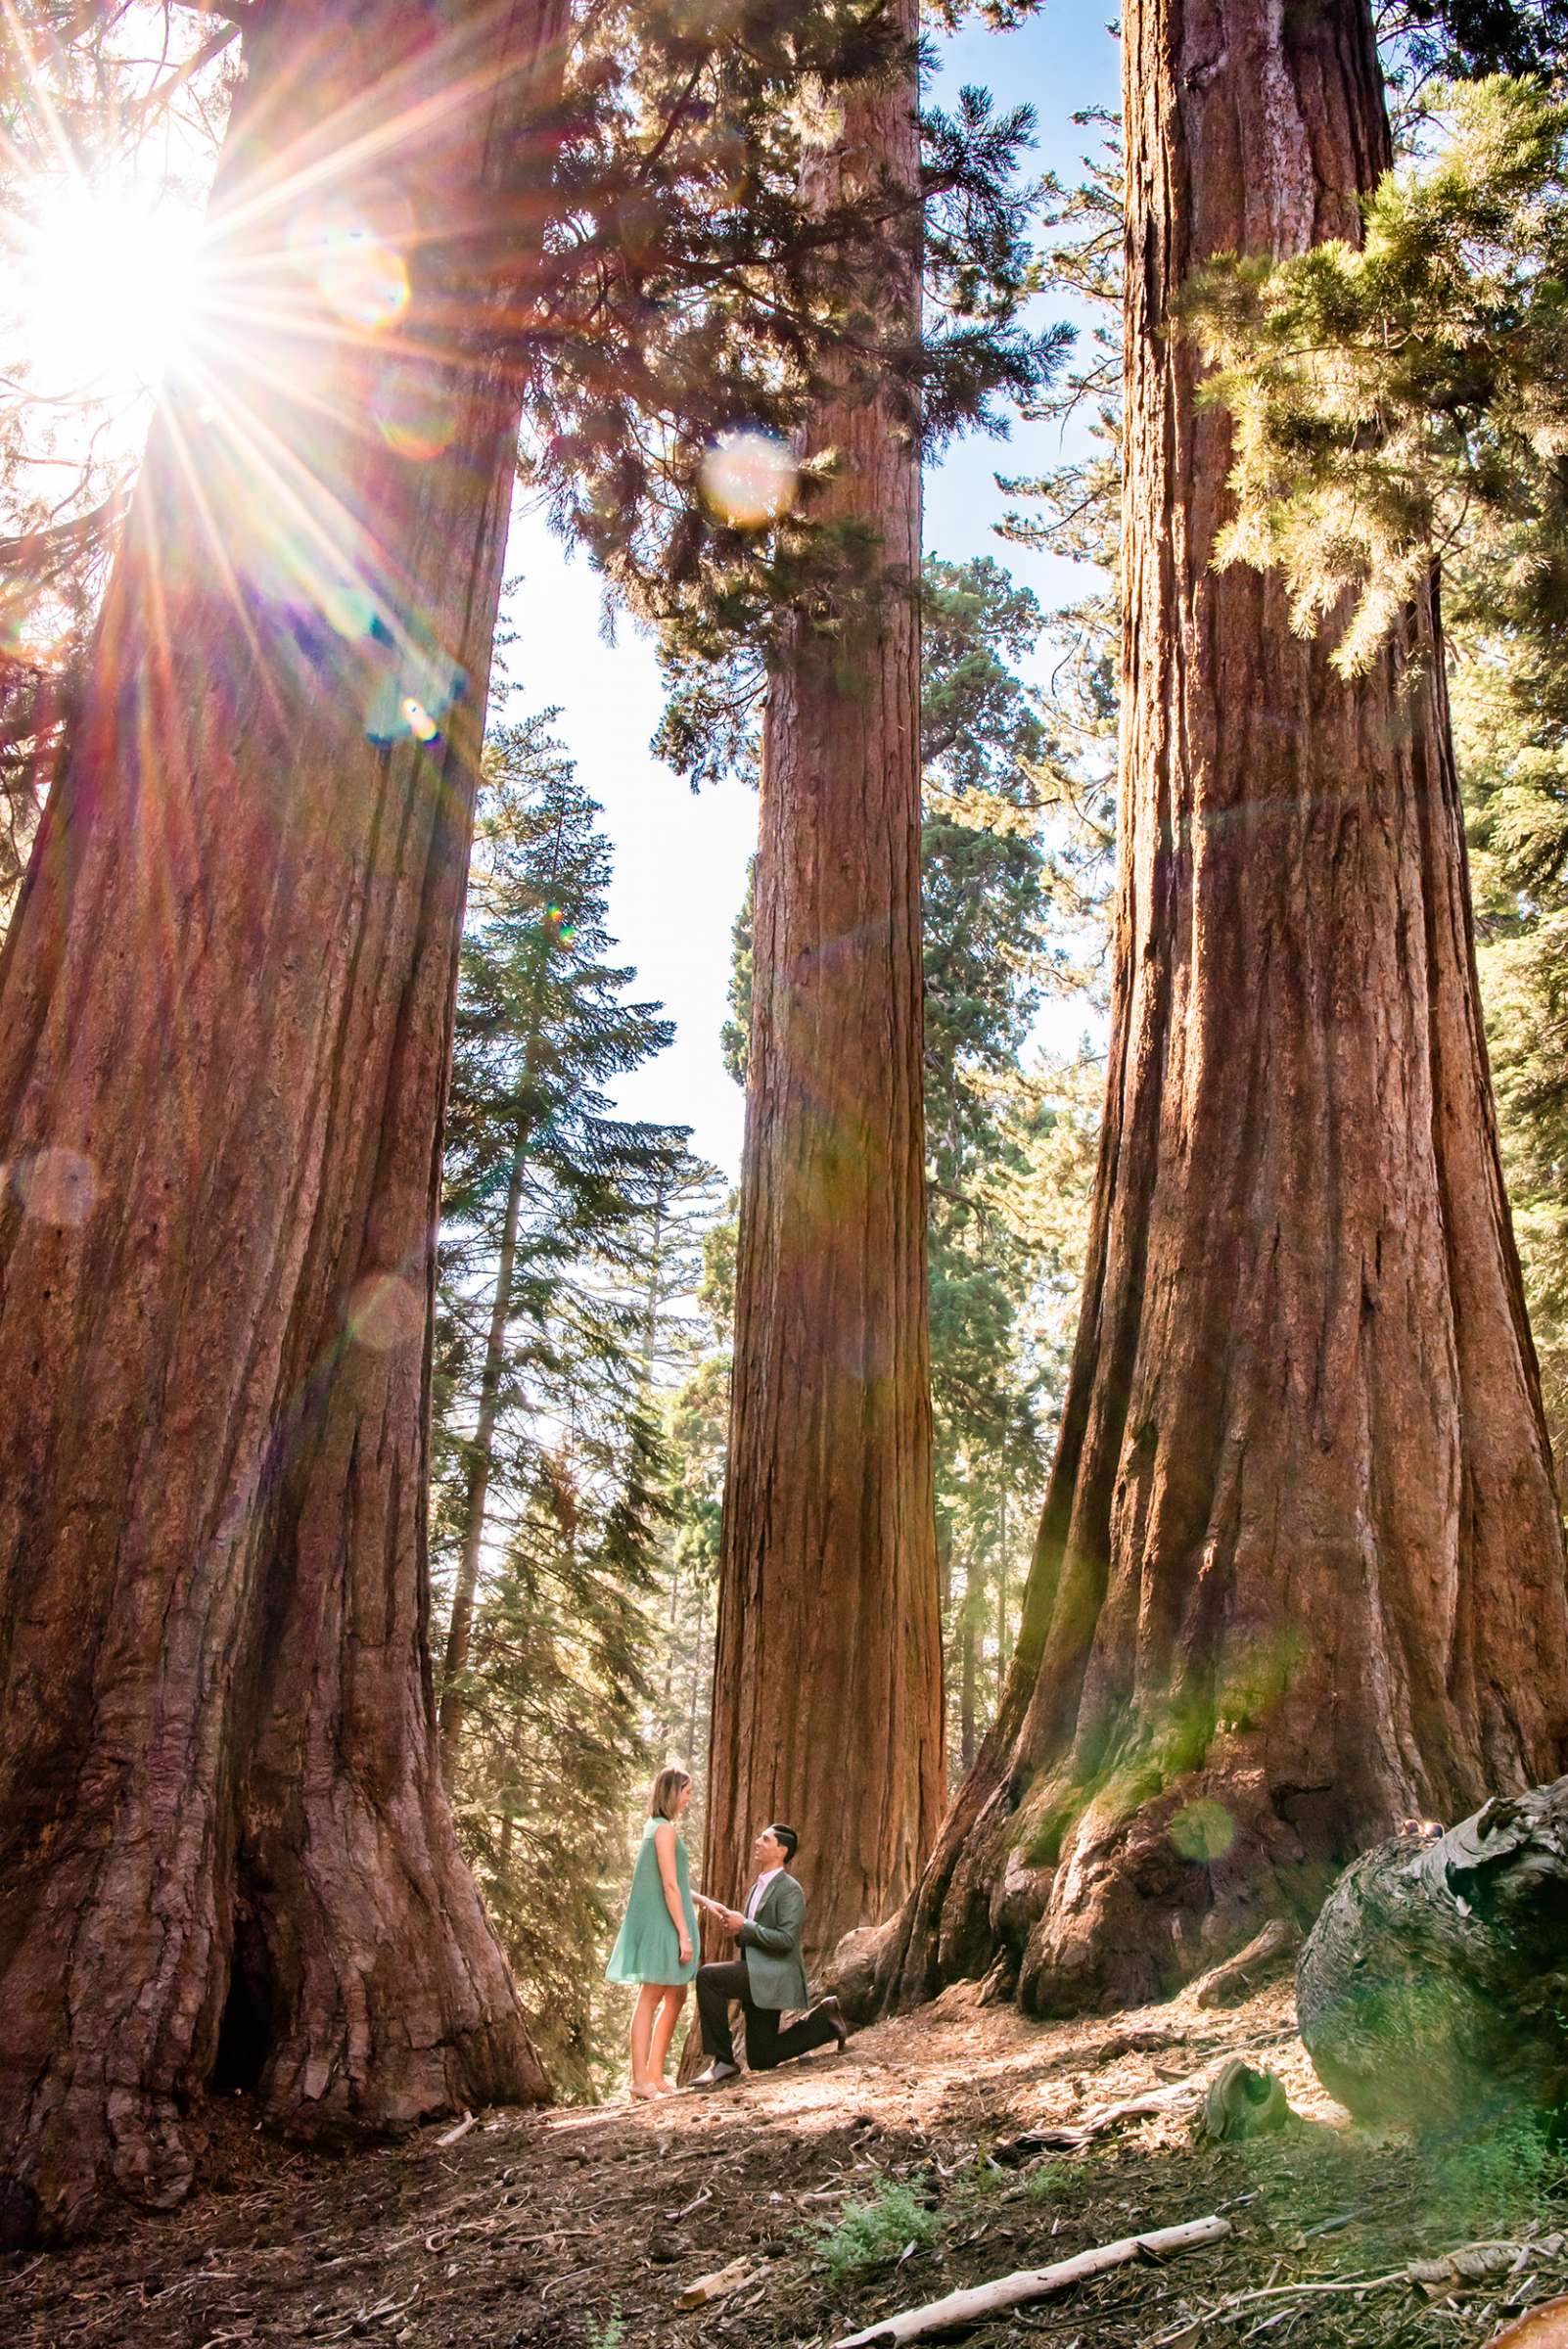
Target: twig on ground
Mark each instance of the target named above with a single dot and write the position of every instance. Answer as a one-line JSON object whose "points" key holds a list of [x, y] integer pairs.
{"points": [[959, 2310]]}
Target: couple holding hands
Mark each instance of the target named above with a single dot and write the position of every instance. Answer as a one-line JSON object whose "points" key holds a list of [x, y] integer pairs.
{"points": [[658, 1949]]}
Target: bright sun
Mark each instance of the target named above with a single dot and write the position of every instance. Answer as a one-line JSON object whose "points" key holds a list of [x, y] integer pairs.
{"points": [[106, 291]]}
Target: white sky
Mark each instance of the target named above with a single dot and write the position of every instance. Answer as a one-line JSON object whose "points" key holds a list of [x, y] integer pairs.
{"points": [[679, 858]]}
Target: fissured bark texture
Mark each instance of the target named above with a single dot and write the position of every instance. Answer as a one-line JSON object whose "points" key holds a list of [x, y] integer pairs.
{"points": [[827, 1677], [225, 1010], [1301, 1566]]}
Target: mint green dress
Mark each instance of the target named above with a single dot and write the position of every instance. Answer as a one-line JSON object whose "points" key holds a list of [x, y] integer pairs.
{"points": [[648, 1948]]}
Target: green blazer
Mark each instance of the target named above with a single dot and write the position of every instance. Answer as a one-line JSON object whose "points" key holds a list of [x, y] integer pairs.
{"points": [[771, 1943]]}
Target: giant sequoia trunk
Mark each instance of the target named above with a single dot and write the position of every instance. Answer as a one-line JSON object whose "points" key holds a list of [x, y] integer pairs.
{"points": [[1301, 1566], [226, 1011], [827, 1674]]}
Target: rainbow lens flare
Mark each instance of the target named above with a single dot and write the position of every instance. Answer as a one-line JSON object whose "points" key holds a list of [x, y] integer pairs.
{"points": [[384, 1311], [415, 411], [748, 480], [359, 272]]}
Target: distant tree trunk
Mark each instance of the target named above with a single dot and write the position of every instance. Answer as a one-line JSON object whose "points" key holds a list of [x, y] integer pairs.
{"points": [[482, 1453], [827, 1689], [225, 1019], [656, 1275], [482, 1459], [1004, 1595], [1301, 1567], [671, 1635], [968, 1686]]}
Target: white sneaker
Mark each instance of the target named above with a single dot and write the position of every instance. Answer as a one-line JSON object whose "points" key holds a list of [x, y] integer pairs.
{"points": [[716, 2074]]}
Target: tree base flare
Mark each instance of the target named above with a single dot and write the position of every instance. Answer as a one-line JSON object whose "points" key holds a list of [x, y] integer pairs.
{"points": [[1099, 1909]]}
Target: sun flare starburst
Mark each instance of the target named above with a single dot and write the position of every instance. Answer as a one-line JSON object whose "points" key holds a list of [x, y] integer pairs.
{"points": [[106, 288]]}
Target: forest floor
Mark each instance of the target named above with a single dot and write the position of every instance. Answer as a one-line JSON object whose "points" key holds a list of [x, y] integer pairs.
{"points": [[846, 2188]]}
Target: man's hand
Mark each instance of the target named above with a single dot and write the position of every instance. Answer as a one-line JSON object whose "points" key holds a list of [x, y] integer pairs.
{"points": [[730, 1918]]}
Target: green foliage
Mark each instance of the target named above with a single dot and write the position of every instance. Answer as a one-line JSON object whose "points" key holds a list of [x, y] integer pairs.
{"points": [[1460, 40], [1499, 2178], [997, 938], [734, 1035], [611, 2334], [1395, 400], [585, 1217], [717, 294], [868, 2233]]}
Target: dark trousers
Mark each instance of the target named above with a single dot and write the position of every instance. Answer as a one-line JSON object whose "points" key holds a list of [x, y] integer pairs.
{"points": [[765, 2043]]}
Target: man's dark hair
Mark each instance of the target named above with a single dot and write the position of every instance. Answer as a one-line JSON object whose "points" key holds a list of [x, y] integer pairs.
{"points": [[788, 1838]]}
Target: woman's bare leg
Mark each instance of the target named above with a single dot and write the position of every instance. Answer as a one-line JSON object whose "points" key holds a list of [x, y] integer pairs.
{"points": [[642, 2020], [671, 2002]]}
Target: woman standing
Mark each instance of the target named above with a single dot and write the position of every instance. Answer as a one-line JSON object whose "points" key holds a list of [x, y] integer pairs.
{"points": [[656, 1946]]}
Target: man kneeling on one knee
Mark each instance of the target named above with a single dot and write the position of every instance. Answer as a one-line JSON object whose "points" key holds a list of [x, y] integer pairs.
{"points": [[768, 1976]]}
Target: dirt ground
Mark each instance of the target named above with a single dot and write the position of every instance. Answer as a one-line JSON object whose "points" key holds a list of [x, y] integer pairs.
{"points": [[582, 2229]]}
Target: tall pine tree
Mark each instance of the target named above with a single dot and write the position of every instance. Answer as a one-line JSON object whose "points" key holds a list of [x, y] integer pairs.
{"points": [[559, 1272]]}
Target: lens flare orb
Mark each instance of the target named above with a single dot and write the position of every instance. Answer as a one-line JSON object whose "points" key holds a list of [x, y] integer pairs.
{"points": [[1204, 1831], [748, 480], [384, 1311], [415, 412], [58, 1186], [359, 273], [349, 608]]}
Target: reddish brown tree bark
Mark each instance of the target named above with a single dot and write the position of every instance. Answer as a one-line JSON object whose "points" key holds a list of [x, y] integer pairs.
{"points": [[827, 1675], [1301, 1566], [225, 1010]]}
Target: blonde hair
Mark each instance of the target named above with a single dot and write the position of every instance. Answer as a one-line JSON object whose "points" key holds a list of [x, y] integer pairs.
{"points": [[666, 1785]]}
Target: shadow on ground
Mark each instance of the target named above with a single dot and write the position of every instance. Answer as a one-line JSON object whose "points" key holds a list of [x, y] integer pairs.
{"points": [[846, 2188]]}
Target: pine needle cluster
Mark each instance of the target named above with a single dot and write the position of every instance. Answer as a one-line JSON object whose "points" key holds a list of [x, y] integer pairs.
{"points": [[1396, 401]]}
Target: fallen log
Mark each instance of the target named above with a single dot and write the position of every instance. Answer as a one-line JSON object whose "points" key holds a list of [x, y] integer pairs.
{"points": [[960, 2311], [1434, 1987]]}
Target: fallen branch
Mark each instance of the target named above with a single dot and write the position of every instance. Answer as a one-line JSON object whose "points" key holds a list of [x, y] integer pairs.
{"points": [[719, 2287], [1239, 1976], [1456, 2270], [960, 2310], [1070, 2137], [449, 2137]]}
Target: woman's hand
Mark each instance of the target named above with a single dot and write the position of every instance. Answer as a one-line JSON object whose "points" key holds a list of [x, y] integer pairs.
{"points": [[685, 1951]]}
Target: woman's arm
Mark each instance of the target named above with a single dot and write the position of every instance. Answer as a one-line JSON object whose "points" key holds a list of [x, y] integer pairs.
{"points": [[665, 1848]]}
